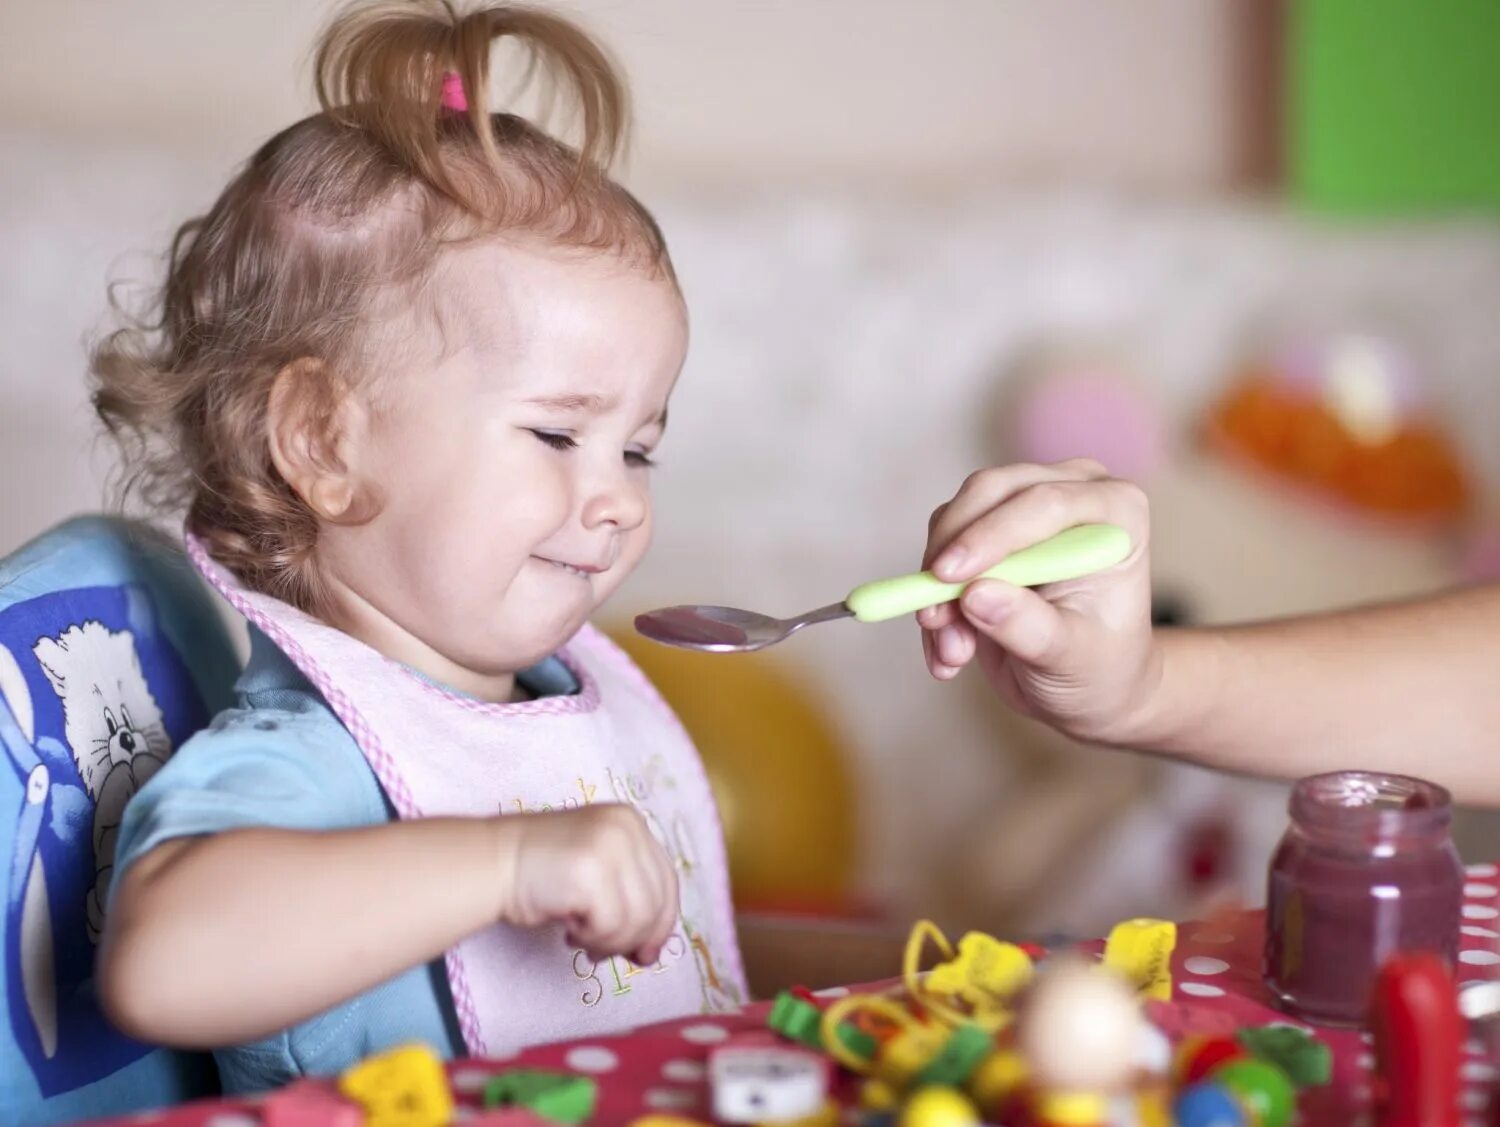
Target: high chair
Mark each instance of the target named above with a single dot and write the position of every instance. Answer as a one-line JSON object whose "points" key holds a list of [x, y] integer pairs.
{"points": [[111, 655]]}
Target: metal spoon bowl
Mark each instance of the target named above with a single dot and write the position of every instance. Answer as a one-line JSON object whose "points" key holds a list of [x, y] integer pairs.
{"points": [[727, 629]]}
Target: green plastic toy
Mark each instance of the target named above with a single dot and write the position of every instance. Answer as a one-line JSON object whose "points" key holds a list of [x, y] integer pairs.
{"points": [[558, 1096], [1262, 1087], [958, 1058], [1307, 1061], [797, 1020]]}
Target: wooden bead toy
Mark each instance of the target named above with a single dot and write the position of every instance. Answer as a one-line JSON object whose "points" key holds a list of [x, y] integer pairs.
{"points": [[1079, 1029], [938, 1107], [1199, 1055], [1262, 1087], [997, 1081], [1209, 1105]]}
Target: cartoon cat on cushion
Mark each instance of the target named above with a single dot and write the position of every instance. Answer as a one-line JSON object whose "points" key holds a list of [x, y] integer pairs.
{"points": [[114, 729]]}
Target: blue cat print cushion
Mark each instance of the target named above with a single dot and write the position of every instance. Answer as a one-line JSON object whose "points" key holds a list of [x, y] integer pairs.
{"points": [[111, 656]]}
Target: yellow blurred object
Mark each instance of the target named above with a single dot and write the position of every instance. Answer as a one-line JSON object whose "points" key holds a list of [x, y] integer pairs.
{"points": [[1072, 1109], [907, 1053], [876, 1094], [404, 1087], [986, 973], [826, 1116], [938, 1107], [997, 1080], [777, 770], [886, 1011], [1153, 1107], [1141, 950], [982, 972]]}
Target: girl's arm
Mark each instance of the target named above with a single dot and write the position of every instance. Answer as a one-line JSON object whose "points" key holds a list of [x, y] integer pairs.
{"points": [[220, 940]]}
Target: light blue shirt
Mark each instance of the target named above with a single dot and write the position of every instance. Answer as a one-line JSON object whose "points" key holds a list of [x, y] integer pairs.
{"points": [[282, 759]]}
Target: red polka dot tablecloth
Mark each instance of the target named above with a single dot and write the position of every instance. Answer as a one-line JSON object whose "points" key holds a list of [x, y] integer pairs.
{"points": [[1216, 989]]}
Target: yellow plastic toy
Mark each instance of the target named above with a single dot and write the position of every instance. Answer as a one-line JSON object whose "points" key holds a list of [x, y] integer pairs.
{"points": [[972, 989], [404, 1087], [974, 984], [826, 1116], [900, 1057], [908, 1053], [1141, 950], [985, 973], [1153, 1107], [876, 1094], [939, 1107], [997, 1080], [1072, 1109], [776, 767]]}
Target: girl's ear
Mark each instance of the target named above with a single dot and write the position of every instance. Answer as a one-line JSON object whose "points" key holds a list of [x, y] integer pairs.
{"points": [[314, 425]]}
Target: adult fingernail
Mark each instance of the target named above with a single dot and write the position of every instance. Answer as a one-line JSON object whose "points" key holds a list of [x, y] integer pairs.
{"points": [[948, 645], [950, 564]]}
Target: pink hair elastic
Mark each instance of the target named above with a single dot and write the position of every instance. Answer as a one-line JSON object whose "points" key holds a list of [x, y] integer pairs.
{"points": [[453, 96]]}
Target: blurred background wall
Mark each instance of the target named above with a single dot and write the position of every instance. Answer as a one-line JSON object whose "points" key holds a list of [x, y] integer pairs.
{"points": [[917, 239]]}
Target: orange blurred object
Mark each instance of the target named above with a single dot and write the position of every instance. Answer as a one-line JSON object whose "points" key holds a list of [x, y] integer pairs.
{"points": [[1410, 474]]}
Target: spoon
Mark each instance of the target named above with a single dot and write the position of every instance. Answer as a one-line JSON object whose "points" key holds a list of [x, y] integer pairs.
{"points": [[1072, 554]]}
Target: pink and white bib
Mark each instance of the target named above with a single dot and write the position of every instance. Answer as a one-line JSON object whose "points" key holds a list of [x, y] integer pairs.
{"points": [[438, 753]]}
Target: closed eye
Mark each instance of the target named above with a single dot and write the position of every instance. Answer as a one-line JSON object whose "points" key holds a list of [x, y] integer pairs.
{"points": [[562, 440], [557, 439]]}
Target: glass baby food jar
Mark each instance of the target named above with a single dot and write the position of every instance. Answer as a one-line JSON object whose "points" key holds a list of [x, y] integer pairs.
{"points": [[1366, 868]]}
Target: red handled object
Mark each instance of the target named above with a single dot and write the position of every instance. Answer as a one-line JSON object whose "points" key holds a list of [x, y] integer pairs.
{"points": [[1419, 1042]]}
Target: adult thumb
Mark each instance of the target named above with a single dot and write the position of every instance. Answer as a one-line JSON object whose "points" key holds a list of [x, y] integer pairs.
{"points": [[1016, 619]]}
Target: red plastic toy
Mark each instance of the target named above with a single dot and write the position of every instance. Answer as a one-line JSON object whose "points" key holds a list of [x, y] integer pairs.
{"points": [[1419, 1041]]}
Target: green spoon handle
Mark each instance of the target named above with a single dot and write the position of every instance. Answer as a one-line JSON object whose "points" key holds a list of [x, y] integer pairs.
{"points": [[1072, 554]]}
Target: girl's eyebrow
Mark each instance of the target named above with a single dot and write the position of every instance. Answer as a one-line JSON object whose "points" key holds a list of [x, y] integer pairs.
{"points": [[584, 403], [590, 404]]}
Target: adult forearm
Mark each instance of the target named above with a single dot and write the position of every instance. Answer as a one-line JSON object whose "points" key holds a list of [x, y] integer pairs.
{"points": [[1409, 687]]}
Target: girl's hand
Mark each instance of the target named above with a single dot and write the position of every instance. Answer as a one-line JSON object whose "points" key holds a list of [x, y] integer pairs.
{"points": [[596, 869], [1078, 655]]}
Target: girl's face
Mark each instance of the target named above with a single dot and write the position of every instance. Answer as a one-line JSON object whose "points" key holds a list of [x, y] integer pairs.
{"points": [[508, 452]]}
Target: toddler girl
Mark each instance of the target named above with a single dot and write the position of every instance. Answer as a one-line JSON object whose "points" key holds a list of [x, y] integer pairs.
{"points": [[407, 380]]}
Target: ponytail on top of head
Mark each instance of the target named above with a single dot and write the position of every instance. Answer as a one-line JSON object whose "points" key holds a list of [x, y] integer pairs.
{"points": [[381, 67]]}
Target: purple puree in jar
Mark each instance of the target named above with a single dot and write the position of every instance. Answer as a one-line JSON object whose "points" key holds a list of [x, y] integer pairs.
{"points": [[1366, 868]]}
